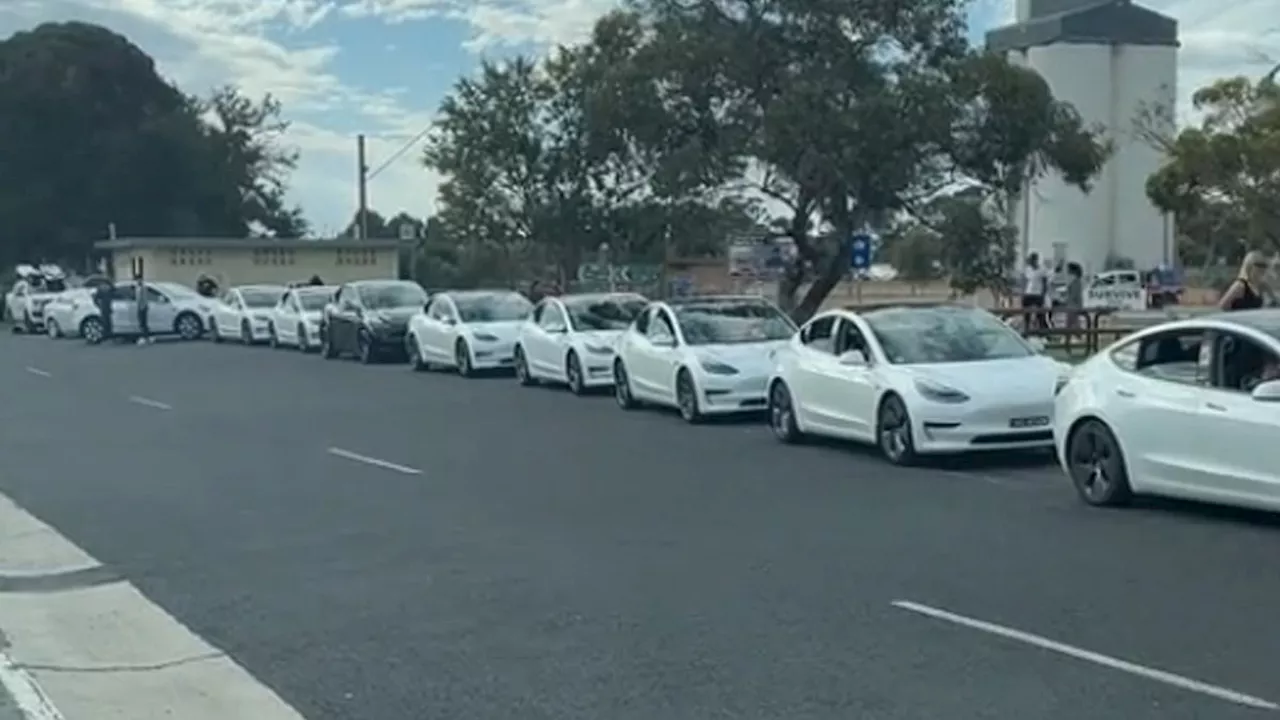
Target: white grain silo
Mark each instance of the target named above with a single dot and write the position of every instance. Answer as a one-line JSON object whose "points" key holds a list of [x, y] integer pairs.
{"points": [[1115, 61]]}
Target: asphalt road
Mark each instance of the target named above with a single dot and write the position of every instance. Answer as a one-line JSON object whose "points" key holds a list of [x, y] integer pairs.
{"points": [[522, 554]]}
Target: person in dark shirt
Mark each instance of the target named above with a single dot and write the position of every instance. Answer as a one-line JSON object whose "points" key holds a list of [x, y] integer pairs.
{"points": [[316, 281], [1245, 293], [144, 311], [102, 300]]}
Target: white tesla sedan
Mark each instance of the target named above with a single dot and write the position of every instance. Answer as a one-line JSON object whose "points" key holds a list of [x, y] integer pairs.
{"points": [[60, 312], [468, 330], [1187, 409], [244, 313], [708, 355], [914, 381], [570, 339], [295, 320]]}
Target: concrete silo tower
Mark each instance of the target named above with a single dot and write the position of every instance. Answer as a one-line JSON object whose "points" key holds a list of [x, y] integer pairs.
{"points": [[1112, 59]]}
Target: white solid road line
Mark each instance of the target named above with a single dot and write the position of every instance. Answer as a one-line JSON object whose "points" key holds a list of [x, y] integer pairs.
{"points": [[38, 371], [1107, 661], [32, 703], [148, 402], [385, 465], [106, 650]]}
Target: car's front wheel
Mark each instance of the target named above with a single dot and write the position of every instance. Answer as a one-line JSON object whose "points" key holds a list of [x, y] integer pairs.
{"points": [[687, 398], [522, 368], [188, 326], [414, 352], [92, 330], [462, 358], [1097, 466], [622, 387], [573, 373], [893, 431]]}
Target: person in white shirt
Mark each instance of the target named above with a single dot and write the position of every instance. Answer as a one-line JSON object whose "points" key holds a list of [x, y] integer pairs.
{"points": [[1035, 285]]}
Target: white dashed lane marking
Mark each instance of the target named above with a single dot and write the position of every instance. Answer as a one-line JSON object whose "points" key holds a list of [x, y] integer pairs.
{"points": [[1150, 673], [148, 402], [38, 371], [375, 462]]}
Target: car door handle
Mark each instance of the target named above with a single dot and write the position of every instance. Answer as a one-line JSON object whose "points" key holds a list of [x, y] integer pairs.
{"points": [[1125, 393], [1215, 407]]}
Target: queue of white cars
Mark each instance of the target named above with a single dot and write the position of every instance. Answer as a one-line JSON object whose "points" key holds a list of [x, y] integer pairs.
{"points": [[1189, 408]]}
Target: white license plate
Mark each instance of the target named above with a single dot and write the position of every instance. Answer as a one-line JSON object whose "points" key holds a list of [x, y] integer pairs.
{"points": [[1029, 422]]}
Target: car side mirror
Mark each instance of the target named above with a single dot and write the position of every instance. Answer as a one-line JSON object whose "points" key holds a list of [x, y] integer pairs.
{"points": [[854, 358], [1268, 391]]}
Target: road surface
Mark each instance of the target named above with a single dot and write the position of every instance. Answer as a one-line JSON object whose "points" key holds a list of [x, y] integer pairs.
{"points": [[367, 542]]}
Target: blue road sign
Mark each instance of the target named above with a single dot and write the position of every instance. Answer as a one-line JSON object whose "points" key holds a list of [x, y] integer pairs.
{"points": [[861, 251]]}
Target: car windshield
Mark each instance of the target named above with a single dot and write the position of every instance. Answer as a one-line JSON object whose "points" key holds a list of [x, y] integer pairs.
{"points": [[719, 322], [392, 296], [259, 298], [314, 301], [604, 313], [918, 336], [492, 307]]}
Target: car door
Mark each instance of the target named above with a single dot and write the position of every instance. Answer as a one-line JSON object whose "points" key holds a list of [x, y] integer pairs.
{"points": [[288, 317], [852, 389], [551, 336], [656, 358], [1238, 433], [814, 349], [124, 309], [347, 320], [162, 314], [1155, 408], [226, 314], [432, 333]]}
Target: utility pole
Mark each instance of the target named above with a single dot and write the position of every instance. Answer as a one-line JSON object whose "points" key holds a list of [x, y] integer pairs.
{"points": [[362, 180]]}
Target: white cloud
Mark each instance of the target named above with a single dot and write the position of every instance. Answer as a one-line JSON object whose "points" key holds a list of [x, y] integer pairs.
{"points": [[200, 44], [495, 23]]}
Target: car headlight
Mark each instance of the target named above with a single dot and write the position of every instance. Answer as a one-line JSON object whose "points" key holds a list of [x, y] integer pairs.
{"points": [[598, 349], [718, 368], [485, 337], [938, 392]]}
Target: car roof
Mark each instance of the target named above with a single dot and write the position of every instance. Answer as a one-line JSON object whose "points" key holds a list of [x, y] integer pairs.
{"points": [[478, 293], [712, 299], [593, 297], [382, 282]]}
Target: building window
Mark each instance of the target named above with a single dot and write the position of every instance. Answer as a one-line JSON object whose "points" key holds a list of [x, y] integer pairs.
{"points": [[352, 256], [273, 256], [189, 256]]}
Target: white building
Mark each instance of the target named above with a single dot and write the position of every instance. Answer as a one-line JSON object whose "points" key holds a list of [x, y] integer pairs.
{"points": [[1114, 61]]}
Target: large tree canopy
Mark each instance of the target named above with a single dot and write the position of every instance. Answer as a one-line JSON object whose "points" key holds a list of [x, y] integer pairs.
{"points": [[93, 136], [1221, 178], [846, 114]]}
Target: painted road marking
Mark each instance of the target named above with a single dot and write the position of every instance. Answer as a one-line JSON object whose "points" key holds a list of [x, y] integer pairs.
{"points": [[148, 402], [38, 371], [26, 694], [384, 464], [107, 651], [1107, 661]]}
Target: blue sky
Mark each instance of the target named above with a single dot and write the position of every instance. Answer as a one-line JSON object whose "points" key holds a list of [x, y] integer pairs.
{"points": [[381, 67]]}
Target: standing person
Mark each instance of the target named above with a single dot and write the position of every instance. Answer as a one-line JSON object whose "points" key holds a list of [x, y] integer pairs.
{"points": [[1245, 292], [536, 292], [102, 299], [144, 330], [316, 281], [1074, 295], [1035, 283]]}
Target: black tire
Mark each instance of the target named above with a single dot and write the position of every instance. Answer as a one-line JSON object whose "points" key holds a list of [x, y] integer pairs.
{"points": [[327, 349], [273, 342], [782, 414], [188, 326], [462, 358], [246, 333], [893, 432], [522, 368], [366, 348], [687, 398], [93, 330], [622, 387], [1096, 465], [304, 343], [573, 373], [414, 353]]}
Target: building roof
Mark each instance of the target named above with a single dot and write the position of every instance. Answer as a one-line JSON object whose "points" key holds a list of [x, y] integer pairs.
{"points": [[1086, 22], [214, 243]]}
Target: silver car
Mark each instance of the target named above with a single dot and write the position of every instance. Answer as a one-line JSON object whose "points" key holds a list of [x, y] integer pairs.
{"points": [[173, 309]]}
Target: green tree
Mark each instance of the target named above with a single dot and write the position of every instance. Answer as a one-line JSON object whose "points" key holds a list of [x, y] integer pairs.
{"points": [[915, 252], [846, 113], [92, 136], [1221, 178]]}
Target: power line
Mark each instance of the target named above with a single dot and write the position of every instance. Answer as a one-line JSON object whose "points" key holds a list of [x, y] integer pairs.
{"points": [[396, 155]]}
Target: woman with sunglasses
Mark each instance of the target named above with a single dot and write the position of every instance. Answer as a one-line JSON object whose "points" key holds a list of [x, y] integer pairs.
{"points": [[1245, 293]]}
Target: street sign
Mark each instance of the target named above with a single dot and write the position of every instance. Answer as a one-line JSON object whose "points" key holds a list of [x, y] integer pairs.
{"points": [[861, 250]]}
